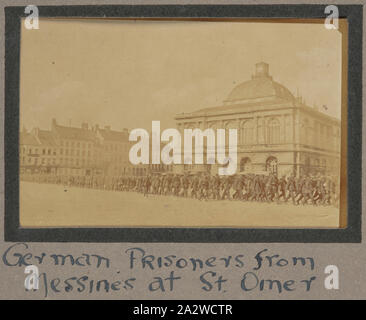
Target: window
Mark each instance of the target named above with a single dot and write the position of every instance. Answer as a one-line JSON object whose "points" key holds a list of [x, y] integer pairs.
{"points": [[229, 125], [247, 132], [245, 164], [271, 165], [261, 131], [273, 131]]}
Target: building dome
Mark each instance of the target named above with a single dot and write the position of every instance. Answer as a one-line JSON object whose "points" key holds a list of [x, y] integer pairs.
{"points": [[260, 86]]}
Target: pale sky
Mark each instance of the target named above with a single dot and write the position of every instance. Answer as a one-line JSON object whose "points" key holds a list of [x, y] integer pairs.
{"points": [[126, 73]]}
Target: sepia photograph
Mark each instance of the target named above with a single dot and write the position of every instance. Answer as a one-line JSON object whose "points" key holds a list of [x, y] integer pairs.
{"points": [[182, 123]]}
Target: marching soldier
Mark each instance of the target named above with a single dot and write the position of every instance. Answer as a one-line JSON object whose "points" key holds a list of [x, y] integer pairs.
{"points": [[226, 188], [281, 192], [291, 188], [185, 185]]}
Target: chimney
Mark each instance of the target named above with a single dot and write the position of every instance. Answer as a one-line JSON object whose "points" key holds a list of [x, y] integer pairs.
{"points": [[54, 123], [261, 70], [35, 132]]}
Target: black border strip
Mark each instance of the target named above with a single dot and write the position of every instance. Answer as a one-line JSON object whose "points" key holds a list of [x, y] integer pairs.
{"points": [[351, 234]]}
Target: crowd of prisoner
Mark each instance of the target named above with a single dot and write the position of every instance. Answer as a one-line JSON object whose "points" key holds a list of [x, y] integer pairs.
{"points": [[308, 189]]}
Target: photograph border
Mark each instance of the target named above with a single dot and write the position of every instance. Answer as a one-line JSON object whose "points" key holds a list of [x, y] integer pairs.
{"points": [[349, 234]]}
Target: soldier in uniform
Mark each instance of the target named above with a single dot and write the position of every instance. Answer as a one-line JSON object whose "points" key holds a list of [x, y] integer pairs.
{"points": [[281, 192], [306, 190], [161, 184], [195, 186], [334, 191], [185, 185], [257, 188], [176, 185], [227, 183], [238, 187], [147, 185], [272, 188], [291, 188], [203, 187], [215, 187], [167, 182], [156, 184], [319, 191]]}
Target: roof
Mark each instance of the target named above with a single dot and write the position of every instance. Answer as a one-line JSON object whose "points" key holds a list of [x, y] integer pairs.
{"points": [[46, 137], [240, 107], [259, 93], [73, 133], [111, 135], [259, 87], [26, 138]]}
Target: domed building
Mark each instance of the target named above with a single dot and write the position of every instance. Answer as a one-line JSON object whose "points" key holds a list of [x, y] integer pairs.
{"points": [[277, 132]]}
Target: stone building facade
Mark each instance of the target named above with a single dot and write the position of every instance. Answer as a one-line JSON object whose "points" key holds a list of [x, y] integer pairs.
{"points": [[78, 151], [277, 132]]}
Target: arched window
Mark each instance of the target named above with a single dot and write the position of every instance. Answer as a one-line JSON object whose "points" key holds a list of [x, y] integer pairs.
{"points": [[229, 125], [261, 131], [273, 132], [324, 163], [245, 164], [272, 165], [247, 132]]}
